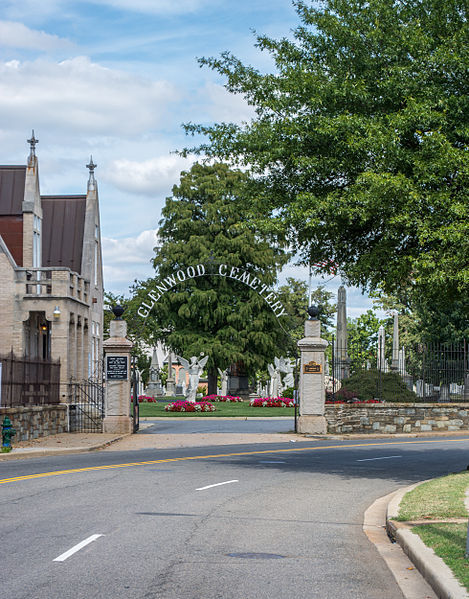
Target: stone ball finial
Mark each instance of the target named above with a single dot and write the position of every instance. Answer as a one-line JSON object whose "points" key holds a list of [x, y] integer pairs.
{"points": [[313, 312], [118, 311]]}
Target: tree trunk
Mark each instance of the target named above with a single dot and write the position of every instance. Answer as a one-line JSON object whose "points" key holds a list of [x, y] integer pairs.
{"points": [[212, 381]]}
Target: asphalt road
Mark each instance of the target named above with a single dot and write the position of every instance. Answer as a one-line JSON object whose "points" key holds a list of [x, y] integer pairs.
{"points": [[237, 522], [181, 426]]}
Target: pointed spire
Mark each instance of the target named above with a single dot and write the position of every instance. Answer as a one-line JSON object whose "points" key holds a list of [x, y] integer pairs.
{"points": [[91, 166], [32, 144]]}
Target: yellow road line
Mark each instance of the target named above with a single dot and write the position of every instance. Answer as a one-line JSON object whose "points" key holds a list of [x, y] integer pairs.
{"points": [[220, 455]]}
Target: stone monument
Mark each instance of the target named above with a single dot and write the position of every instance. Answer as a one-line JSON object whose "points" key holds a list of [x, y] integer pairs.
{"points": [[342, 369], [154, 387], [381, 363], [195, 368], [311, 390], [395, 344], [181, 381], [117, 403], [223, 381], [170, 383]]}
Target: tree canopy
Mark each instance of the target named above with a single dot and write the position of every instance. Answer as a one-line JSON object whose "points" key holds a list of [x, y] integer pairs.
{"points": [[359, 146], [203, 223]]}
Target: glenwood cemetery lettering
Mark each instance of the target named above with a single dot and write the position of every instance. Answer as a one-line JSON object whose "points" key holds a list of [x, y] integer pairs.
{"points": [[224, 270]]}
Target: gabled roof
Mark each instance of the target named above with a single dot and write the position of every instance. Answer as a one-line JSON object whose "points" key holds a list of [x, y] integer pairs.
{"points": [[62, 231], [12, 181]]}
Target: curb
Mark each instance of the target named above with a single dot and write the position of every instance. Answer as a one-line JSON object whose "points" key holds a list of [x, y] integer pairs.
{"points": [[47, 451], [431, 567]]}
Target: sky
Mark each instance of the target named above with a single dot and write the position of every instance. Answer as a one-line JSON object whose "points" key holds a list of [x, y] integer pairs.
{"points": [[116, 79]]}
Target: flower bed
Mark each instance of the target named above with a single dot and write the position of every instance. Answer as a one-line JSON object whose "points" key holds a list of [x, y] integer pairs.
{"points": [[147, 399], [272, 402], [189, 406], [224, 398]]}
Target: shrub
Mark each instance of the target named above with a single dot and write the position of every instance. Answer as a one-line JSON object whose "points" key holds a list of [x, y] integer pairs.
{"points": [[289, 392], [365, 385]]}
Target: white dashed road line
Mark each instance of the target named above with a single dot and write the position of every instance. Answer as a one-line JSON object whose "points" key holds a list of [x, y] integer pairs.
{"points": [[227, 482], [388, 457], [76, 548]]}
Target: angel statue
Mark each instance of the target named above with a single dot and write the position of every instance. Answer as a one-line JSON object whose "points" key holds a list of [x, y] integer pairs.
{"points": [[194, 368]]}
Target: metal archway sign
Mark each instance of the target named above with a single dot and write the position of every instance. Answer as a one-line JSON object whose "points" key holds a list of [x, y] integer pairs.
{"points": [[223, 270]]}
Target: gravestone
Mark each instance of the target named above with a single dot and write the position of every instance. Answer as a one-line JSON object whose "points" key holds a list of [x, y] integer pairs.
{"points": [[154, 387]]}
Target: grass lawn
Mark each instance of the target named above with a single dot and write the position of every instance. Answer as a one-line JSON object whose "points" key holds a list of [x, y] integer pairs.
{"points": [[437, 499], [157, 410], [448, 541], [441, 499]]}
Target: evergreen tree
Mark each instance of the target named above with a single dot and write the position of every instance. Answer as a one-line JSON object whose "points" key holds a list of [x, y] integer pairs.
{"points": [[204, 223]]}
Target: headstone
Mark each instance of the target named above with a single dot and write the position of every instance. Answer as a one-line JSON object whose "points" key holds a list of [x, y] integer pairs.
{"points": [[419, 387], [154, 387], [170, 384], [181, 381]]}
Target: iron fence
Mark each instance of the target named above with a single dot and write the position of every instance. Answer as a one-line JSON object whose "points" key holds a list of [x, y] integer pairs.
{"points": [[86, 407], [433, 372], [28, 381]]}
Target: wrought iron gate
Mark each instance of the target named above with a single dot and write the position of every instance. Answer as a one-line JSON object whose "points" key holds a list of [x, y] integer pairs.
{"points": [[86, 407], [134, 391]]}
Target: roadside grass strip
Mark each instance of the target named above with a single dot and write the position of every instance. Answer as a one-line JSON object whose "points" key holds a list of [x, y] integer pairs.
{"points": [[432, 510], [437, 499], [448, 541], [221, 455]]}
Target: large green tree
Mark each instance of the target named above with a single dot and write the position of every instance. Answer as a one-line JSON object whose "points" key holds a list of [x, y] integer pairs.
{"points": [[360, 142], [204, 223]]}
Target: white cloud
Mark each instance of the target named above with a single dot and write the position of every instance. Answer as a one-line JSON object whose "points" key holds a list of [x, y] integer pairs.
{"points": [[156, 7], [149, 177], [127, 259], [17, 35], [81, 96]]}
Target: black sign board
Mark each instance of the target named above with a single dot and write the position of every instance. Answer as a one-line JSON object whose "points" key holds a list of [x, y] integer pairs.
{"points": [[116, 368]]}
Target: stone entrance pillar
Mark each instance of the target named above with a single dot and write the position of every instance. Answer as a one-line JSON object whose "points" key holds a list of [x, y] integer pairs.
{"points": [[312, 397], [117, 418]]}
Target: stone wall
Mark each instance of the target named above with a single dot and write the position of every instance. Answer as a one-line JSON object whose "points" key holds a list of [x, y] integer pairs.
{"points": [[397, 418], [36, 421]]}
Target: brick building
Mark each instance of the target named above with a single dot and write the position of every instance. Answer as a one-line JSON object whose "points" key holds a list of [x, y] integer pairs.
{"points": [[51, 282]]}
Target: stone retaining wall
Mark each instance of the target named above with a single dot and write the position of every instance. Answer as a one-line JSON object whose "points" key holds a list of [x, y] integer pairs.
{"points": [[36, 421], [397, 417]]}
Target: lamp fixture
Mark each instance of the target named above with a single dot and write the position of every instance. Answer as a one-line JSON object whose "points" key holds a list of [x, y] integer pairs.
{"points": [[56, 313]]}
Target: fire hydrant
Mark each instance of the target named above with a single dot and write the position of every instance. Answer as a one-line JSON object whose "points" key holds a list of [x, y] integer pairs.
{"points": [[7, 433]]}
